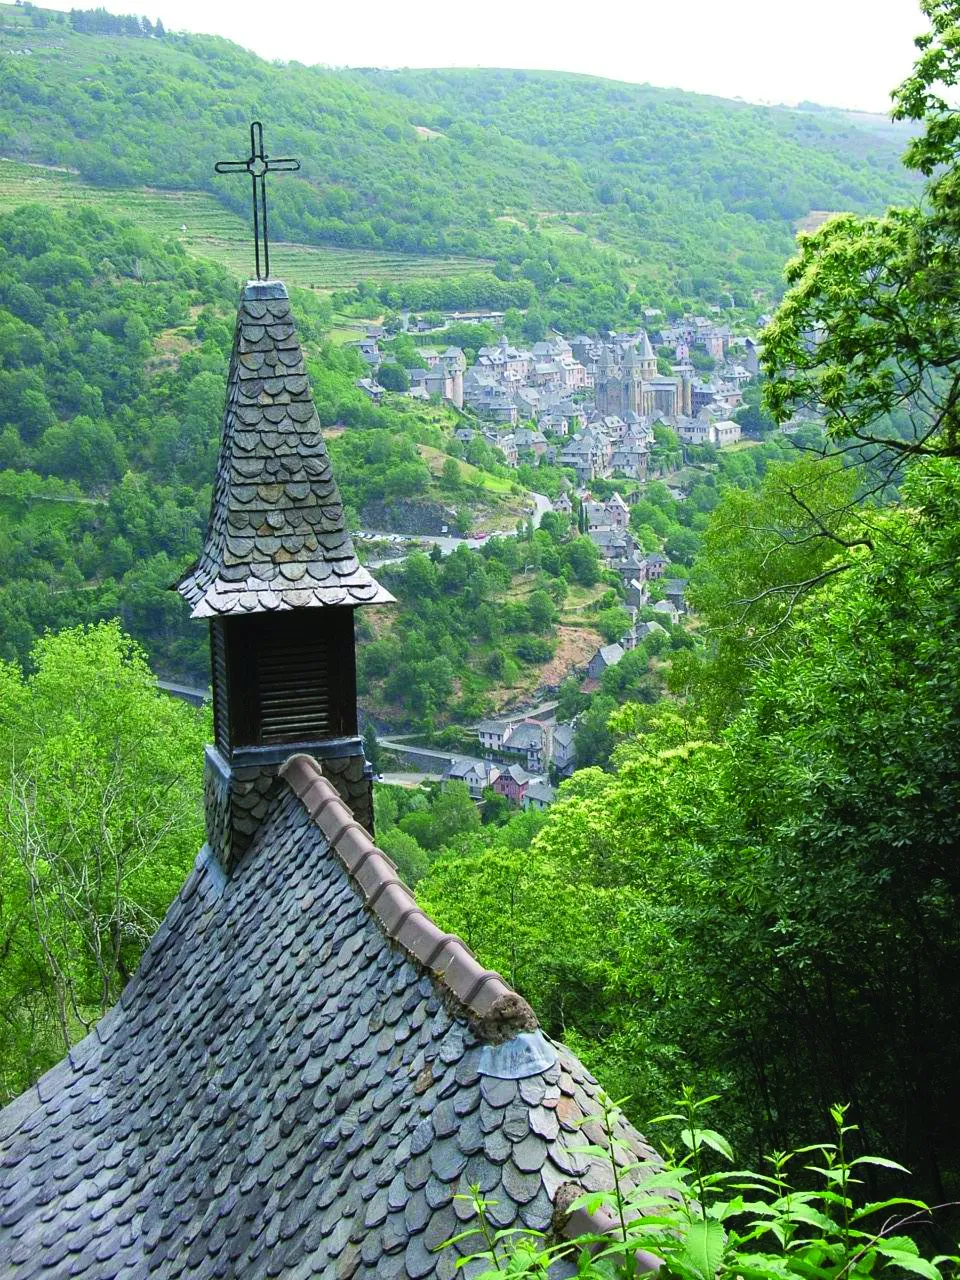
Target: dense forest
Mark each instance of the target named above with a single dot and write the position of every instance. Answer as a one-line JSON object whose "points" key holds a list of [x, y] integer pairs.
{"points": [[557, 180]]}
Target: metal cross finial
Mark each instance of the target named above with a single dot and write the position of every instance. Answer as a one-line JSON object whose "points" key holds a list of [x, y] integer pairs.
{"points": [[258, 165]]}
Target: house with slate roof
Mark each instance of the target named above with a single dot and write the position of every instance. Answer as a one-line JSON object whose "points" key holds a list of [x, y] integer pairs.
{"points": [[530, 741], [512, 783], [608, 655], [539, 794], [305, 1072], [564, 750], [476, 775]]}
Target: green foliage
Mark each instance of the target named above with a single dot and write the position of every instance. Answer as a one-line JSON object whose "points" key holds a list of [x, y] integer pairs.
{"points": [[612, 623], [504, 143], [696, 1223], [881, 293], [434, 653], [393, 378], [761, 550], [772, 906], [101, 785]]}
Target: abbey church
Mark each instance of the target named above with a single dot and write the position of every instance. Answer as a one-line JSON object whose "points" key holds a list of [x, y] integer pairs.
{"points": [[635, 386]]}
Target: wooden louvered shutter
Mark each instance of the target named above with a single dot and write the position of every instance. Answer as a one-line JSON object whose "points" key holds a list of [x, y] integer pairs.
{"points": [[287, 677], [294, 679]]}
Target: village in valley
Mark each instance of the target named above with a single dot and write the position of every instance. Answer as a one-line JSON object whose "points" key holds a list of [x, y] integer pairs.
{"points": [[589, 405], [586, 403]]}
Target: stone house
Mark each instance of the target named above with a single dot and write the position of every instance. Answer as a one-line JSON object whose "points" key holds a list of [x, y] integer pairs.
{"points": [[636, 593], [530, 740], [668, 609], [655, 565], [607, 655], [618, 512], [675, 591], [539, 794], [644, 629], [512, 783], [445, 382], [564, 753], [614, 545], [370, 388], [507, 444], [476, 774], [534, 442], [491, 734]]}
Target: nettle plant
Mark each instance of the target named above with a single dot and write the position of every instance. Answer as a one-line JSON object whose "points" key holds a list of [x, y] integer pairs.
{"points": [[690, 1223]]}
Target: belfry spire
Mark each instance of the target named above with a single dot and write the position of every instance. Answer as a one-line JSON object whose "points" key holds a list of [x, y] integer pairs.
{"points": [[279, 579]]}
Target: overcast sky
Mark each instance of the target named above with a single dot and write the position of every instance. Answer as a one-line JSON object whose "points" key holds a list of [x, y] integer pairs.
{"points": [[846, 53]]}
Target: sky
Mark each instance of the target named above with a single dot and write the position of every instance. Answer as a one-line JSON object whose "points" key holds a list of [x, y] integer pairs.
{"points": [[843, 53]]}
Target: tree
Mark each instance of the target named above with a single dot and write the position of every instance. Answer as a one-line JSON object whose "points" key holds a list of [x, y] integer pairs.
{"points": [[451, 814], [101, 823], [542, 611], [593, 739], [613, 623], [450, 479], [584, 561], [496, 808], [392, 377], [371, 747], [534, 326], [762, 551], [413, 861], [868, 333], [682, 546]]}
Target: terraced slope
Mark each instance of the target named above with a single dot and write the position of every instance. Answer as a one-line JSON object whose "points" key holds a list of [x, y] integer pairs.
{"points": [[209, 230], [562, 179]]}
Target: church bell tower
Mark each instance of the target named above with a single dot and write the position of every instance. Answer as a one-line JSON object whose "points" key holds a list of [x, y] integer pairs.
{"points": [[279, 580]]}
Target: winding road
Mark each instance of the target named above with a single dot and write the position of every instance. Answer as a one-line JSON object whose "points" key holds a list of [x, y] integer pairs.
{"points": [[447, 544]]}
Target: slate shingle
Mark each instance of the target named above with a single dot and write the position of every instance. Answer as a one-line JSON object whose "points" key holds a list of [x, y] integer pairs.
{"points": [[276, 538], [240, 1114]]}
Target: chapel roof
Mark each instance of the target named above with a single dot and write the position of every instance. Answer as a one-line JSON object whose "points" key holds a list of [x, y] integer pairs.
{"points": [[276, 537], [300, 1078]]}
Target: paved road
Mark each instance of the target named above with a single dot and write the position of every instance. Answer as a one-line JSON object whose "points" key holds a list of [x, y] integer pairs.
{"points": [[448, 544], [188, 692], [437, 760], [409, 780]]}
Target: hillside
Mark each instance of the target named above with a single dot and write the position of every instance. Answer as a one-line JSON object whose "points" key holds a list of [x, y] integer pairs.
{"points": [[113, 355], [570, 180]]}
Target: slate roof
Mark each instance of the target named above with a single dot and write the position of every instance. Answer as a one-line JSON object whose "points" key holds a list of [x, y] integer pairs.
{"points": [[298, 1080], [517, 774], [524, 735], [610, 654], [276, 538], [541, 791]]}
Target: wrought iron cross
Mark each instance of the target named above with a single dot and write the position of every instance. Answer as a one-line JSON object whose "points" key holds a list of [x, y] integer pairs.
{"points": [[258, 165]]}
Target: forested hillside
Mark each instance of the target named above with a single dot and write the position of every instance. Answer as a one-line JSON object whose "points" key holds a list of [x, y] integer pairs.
{"points": [[113, 357], [589, 182]]}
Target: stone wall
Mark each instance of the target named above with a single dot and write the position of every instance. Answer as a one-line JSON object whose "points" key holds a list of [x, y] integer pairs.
{"points": [[404, 516], [237, 797]]}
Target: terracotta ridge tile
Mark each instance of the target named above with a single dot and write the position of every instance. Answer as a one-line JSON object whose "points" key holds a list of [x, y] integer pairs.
{"points": [[581, 1222], [494, 1010]]}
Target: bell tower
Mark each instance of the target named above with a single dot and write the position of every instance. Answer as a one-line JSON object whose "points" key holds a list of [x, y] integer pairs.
{"points": [[632, 382], [279, 580]]}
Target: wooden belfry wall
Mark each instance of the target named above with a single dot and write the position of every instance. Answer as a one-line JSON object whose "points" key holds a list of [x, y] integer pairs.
{"points": [[283, 678]]}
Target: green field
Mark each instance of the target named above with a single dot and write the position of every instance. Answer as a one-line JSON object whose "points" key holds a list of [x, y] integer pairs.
{"points": [[215, 232]]}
